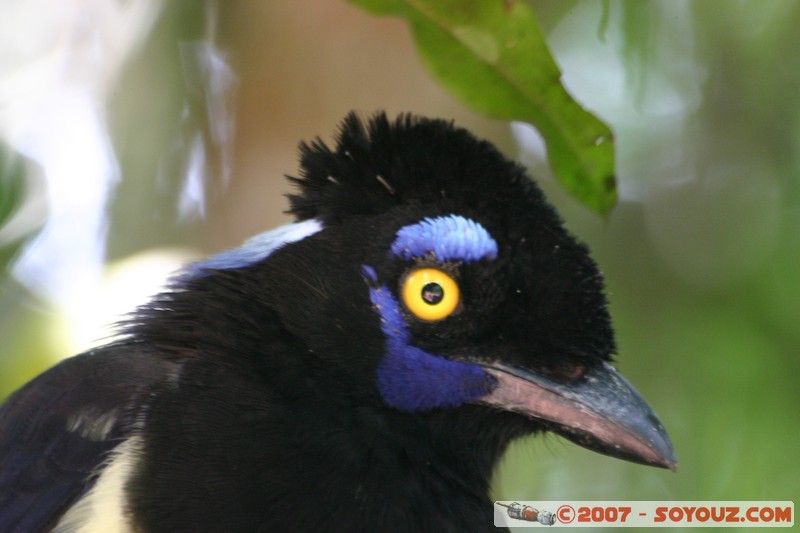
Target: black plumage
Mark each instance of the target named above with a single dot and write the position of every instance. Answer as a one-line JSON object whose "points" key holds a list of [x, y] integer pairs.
{"points": [[291, 385]]}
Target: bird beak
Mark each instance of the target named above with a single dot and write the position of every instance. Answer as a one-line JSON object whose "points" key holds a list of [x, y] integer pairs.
{"points": [[599, 410]]}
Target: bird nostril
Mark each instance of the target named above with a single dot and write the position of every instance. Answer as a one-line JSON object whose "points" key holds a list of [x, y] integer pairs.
{"points": [[569, 371]]}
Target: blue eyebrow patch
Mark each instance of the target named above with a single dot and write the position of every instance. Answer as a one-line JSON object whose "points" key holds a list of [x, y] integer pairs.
{"points": [[450, 238]]}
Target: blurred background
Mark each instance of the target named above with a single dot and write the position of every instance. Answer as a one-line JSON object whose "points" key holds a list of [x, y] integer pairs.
{"points": [[135, 136]]}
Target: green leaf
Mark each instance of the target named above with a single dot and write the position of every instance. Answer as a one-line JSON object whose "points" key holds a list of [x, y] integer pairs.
{"points": [[11, 183], [12, 193], [491, 54]]}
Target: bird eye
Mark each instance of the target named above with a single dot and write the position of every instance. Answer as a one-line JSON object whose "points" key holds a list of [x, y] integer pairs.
{"points": [[430, 294]]}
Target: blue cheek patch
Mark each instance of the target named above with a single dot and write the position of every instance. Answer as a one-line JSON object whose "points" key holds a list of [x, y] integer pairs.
{"points": [[451, 238], [411, 379]]}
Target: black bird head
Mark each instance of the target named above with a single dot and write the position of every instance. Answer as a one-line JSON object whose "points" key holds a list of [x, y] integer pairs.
{"points": [[427, 275], [360, 369]]}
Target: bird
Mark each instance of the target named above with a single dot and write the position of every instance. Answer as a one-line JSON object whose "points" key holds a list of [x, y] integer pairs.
{"points": [[362, 368]]}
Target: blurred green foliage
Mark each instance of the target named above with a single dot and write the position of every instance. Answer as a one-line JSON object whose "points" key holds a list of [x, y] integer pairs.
{"points": [[702, 255], [16, 326], [12, 191], [11, 184]]}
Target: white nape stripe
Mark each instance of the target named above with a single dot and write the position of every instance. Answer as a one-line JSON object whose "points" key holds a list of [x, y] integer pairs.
{"points": [[103, 509]]}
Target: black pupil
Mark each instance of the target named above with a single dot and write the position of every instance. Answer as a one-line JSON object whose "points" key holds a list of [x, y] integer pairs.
{"points": [[432, 293]]}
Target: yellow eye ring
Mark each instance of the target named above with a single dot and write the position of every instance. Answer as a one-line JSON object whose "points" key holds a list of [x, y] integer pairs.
{"points": [[430, 294]]}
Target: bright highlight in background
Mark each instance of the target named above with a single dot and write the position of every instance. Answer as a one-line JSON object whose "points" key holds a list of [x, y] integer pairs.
{"points": [[125, 285], [58, 65]]}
